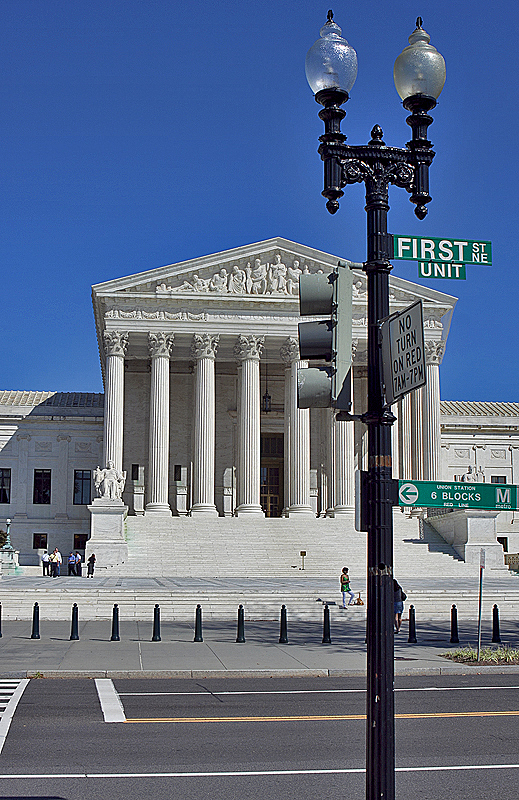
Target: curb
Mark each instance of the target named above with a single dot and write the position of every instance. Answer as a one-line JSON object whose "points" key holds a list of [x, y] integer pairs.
{"points": [[457, 669]]}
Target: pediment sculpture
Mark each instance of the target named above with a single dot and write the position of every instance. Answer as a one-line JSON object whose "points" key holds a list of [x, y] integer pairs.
{"points": [[269, 278]]}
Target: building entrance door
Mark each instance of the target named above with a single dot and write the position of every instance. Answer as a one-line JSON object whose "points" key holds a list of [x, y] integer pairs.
{"points": [[271, 488]]}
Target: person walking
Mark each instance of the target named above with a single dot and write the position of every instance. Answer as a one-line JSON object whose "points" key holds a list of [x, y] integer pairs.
{"points": [[90, 565], [400, 596], [45, 564], [345, 587], [78, 565], [71, 564]]}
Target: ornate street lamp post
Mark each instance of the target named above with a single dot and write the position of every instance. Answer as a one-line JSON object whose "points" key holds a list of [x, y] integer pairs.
{"points": [[419, 74]]}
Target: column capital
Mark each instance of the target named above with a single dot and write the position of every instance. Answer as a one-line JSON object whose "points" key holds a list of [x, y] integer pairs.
{"points": [[434, 350], [115, 343], [289, 351], [204, 346], [160, 344], [248, 347]]}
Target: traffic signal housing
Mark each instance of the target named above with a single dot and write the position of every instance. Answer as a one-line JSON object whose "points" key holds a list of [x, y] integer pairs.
{"points": [[327, 340]]}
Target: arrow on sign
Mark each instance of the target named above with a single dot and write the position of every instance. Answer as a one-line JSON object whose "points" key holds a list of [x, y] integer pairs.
{"points": [[408, 494]]}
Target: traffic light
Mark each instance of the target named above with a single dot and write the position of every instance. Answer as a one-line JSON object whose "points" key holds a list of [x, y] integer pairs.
{"points": [[327, 340]]}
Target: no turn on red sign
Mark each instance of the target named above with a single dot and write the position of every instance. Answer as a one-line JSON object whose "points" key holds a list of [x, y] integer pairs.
{"points": [[403, 352]]}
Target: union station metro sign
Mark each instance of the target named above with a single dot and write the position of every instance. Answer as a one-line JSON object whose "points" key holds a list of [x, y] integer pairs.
{"points": [[435, 494]]}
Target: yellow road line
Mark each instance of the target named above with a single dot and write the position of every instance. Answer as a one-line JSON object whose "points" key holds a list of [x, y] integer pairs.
{"points": [[325, 718]]}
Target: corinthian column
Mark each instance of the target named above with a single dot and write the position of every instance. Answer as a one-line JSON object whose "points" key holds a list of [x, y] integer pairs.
{"points": [[203, 351], [417, 439], [431, 419], [160, 345], [299, 438], [344, 467], [115, 343], [404, 437], [247, 352]]}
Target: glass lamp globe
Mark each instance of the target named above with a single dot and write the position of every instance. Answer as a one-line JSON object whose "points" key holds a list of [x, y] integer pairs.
{"points": [[420, 68], [331, 63]]}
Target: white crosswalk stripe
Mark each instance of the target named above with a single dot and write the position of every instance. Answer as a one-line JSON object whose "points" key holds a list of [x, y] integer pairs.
{"points": [[10, 694]]}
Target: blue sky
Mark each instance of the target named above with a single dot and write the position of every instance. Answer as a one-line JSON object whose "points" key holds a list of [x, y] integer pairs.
{"points": [[138, 133]]}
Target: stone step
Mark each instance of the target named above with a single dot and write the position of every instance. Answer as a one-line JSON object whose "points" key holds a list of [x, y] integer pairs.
{"points": [[180, 605], [233, 547]]}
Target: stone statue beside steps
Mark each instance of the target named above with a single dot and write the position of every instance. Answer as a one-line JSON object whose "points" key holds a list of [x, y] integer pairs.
{"points": [[109, 482], [107, 515]]}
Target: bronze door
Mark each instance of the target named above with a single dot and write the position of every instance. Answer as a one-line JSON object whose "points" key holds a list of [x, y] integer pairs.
{"points": [[271, 493], [272, 474]]}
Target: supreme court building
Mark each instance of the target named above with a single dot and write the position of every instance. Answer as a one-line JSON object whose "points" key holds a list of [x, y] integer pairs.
{"points": [[199, 362]]}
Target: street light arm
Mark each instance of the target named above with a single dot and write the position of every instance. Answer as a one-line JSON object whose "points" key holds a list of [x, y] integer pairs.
{"points": [[332, 115], [421, 153]]}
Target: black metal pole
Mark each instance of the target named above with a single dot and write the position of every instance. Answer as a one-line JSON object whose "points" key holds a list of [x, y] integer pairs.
{"points": [[240, 635], [496, 636], [156, 624], [380, 709], [0, 620], [74, 627], [454, 626], [198, 624], [412, 626], [326, 626], [377, 166], [35, 622], [115, 625], [283, 632]]}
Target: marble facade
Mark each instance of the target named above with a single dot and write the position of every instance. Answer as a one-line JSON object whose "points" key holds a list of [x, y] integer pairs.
{"points": [[226, 325], [187, 353]]}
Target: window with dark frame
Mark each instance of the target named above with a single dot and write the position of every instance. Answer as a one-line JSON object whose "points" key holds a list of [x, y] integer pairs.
{"points": [[498, 479], [80, 540], [39, 541], [82, 487], [41, 491], [5, 485], [177, 472], [135, 472]]}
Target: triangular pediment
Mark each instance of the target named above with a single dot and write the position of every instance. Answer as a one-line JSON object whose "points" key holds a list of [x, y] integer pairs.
{"points": [[264, 270], [269, 268]]}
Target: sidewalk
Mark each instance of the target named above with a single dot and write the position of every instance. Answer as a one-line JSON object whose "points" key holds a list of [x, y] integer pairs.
{"points": [[95, 656]]}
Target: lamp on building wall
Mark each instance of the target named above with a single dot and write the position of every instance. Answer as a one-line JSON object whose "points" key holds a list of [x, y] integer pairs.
{"points": [[8, 535], [419, 75], [266, 403]]}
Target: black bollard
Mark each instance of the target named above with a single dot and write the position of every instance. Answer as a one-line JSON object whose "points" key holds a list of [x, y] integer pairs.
{"points": [[412, 626], [74, 629], [156, 624], [0, 620], [115, 625], [454, 626], [240, 638], [496, 638], [283, 635], [35, 622], [198, 624], [326, 626]]}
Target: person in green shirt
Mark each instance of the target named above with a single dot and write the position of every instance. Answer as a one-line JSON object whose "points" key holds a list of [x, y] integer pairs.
{"points": [[345, 587]]}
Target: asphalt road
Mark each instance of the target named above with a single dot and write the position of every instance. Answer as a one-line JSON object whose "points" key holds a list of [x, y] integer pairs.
{"points": [[263, 739]]}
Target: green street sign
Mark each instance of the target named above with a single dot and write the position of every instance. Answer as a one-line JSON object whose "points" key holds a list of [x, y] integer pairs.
{"points": [[459, 251], [448, 269], [434, 494]]}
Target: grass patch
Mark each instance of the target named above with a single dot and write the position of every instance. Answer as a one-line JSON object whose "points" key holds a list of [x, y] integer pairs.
{"points": [[487, 655]]}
